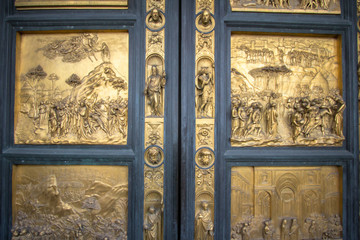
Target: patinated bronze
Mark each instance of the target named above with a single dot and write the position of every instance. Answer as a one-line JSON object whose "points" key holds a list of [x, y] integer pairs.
{"points": [[70, 202], [72, 88], [286, 91], [286, 203]]}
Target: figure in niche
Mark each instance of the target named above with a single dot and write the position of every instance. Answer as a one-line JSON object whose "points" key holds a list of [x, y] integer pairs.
{"points": [[205, 18], [267, 232], [284, 230], [153, 91], [245, 232], [204, 227], [271, 117], [152, 224], [294, 230], [204, 84], [255, 116], [155, 16]]}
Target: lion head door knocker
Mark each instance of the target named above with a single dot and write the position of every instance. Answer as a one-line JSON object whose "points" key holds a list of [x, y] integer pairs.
{"points": [[205, 158], [205, 22], [154, 156], [155, 20]]}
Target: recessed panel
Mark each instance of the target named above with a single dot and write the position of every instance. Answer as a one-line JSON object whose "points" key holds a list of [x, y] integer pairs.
{"points": [[72, 88], [70, 202], [286, 202], [286, 90]]}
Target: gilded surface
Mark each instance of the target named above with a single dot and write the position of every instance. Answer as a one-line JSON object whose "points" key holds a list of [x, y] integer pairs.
{"points": [[286, 91], [72, 88], [70, 202], [286, 203], [287, 6], [65, 4], [153, 202], [205, 120], [154, 92], [205, 133], [154, 128], [204, 203]]}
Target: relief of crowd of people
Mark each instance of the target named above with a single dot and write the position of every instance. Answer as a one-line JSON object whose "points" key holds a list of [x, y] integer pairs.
{"points": [[83, 118], [316, 226], [305, 117]]}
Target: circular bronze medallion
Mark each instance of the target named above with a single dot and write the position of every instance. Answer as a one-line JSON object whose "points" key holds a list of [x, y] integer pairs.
{"points": [[204, 158], [154, 156]]}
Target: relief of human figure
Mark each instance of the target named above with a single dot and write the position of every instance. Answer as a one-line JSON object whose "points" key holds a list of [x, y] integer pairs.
{"points": [[245, 235], [235, 118], [254, 121], [152, 224], [284, 230], [337, 109], [294, 230], [204, 83], [204, 226], [267, 232], [271, 116], [153, 91]]}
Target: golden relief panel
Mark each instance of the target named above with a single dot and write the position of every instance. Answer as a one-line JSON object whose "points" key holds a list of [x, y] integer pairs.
{"points": [[73, 4], [287, 6], [286, 203], [70, 202], [286, 90], [72, 88]]}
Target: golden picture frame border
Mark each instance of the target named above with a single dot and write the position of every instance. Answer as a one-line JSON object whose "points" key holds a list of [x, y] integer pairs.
{"points": [[75, 4]]}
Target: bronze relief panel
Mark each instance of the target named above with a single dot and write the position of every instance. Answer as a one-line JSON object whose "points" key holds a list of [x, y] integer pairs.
{"points": [[286, 203], [70, 202], [286, 90], [287, 6], [72, 88]]}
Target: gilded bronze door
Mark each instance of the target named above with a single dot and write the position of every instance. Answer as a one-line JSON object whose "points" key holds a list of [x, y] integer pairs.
{"points": [[167, 119]]}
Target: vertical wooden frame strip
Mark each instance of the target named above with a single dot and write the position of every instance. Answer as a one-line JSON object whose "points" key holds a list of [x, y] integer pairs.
{"points": [[155, 81], [205, 119]]}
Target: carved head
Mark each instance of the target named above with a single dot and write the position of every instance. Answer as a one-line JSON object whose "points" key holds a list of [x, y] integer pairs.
{"points": [[155, 16], [205, 18], [151, 210], [204, 205], [205, 157], [154, 155], [154, 70]]}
